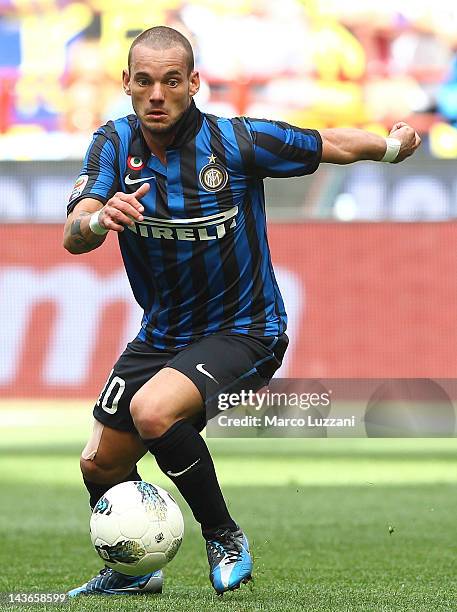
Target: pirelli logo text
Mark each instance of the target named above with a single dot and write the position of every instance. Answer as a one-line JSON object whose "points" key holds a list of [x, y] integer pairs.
{"points": [[211, 227]]}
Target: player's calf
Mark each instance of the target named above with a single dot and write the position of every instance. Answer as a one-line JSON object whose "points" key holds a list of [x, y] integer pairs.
{"points": [[109, 457], [93, 472]]}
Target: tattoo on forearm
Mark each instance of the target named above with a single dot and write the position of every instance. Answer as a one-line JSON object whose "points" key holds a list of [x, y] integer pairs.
{"points": [[76, 234]]}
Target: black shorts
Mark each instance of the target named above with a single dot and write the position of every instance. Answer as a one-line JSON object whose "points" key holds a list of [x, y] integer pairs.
{"points": [[220, 363]]}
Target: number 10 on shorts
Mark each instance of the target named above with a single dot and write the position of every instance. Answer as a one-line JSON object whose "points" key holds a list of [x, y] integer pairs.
{"points": [[114, 385]]}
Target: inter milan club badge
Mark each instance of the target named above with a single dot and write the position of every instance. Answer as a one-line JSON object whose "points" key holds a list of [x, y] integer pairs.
{"points": [[135, 163], [213, 176]]}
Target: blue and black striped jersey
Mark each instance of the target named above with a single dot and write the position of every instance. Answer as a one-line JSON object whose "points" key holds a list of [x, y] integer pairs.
{"points": [[199, 262]]}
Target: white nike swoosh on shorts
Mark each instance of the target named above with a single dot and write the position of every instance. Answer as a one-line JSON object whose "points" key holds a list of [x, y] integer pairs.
{"points": [[130, 181], [175, 474], [200, 368]]}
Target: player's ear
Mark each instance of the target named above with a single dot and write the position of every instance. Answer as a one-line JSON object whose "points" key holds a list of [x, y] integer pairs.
{"points": [[126, 81], [194, 83]]}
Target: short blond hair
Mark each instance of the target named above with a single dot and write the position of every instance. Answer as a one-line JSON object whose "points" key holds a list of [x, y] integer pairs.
{"points": [[163, 37]]}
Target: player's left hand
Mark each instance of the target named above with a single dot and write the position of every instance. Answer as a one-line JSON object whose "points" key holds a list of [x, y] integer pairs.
{"points": [[409, 138]]}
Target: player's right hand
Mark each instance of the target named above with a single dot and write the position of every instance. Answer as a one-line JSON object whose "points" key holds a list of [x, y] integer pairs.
{"points": [[123, 209]]}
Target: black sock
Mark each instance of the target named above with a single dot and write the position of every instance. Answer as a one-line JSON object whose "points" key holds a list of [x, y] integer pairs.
{"points": [[97, 490], [182, 454]]}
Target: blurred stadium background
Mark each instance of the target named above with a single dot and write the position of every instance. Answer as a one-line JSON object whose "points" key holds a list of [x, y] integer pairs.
{"points": [[364, 299], [365, 254]]}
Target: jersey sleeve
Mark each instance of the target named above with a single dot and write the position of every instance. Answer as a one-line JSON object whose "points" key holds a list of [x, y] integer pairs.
{"points": [[283, 150], [99, 177]]}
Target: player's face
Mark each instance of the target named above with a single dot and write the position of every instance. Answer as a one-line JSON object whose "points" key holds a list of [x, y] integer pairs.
{"points": [[160, 86]]}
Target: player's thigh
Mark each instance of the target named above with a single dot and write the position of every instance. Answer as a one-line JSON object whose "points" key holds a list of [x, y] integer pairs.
{"points": [[229, 363], [192, 378]]}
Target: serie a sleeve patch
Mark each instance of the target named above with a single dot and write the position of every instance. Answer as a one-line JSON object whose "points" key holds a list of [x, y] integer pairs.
{"points": [[78, 187]]}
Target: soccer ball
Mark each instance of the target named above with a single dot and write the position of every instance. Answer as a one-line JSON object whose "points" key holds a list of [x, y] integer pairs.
{"points": [[136, 528]]}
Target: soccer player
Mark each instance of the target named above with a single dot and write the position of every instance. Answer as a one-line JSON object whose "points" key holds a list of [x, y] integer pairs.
{"points": [[183, 190]]}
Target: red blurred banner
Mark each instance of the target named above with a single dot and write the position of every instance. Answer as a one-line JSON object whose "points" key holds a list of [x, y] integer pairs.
{"points": [[364, 300]]}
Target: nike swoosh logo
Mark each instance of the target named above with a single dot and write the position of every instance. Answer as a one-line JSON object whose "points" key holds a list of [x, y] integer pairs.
{"points": [[130, 181], [199, 367], [175, 474]]}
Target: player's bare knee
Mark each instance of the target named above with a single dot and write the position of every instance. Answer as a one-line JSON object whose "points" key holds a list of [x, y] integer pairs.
{"points": [[150, 419], [151, 425]]}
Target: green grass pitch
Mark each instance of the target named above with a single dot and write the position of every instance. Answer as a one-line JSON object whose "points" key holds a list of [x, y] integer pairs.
{"points": [[334, 525]]}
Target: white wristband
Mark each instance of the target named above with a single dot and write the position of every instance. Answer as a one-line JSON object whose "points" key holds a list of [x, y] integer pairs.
{"points": [[392, 149], [95, 226]]}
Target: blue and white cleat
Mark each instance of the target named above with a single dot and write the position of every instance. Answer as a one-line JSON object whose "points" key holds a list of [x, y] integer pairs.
{"points": [[229, 560], [110, 582]]}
